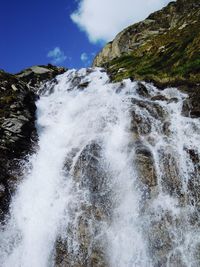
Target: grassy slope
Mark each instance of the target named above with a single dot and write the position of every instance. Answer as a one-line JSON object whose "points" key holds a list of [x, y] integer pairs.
{"points": [[169, 58]]}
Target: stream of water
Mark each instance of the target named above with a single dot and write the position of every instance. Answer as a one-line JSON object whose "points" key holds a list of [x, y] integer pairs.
{"points": [[112, 182]]}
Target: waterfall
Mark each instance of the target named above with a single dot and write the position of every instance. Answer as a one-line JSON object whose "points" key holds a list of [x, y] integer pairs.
{"points": [[114, 181]]}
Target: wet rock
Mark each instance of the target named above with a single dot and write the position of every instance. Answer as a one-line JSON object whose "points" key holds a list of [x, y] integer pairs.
{"points": [[162, 238], [160, 243], [193, 185], [194, 156], [70, 158], [154, 109], [83, 85], [120, 87], [171, 180], [76, 81], [196, 255], [191, 105], [89, 176], [176, 259], [90, 172], [145, 166], [159, 98], [142, 90], [61, 256], [143, 114], [166, 128], [67, 260], [140, 123], [173, 100]]}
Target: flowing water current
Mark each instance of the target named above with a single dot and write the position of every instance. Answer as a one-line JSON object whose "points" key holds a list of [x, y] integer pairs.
{"points": [[114, 180]]}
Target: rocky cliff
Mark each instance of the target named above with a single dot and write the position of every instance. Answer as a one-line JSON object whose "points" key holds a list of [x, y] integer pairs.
{"points": [[18, 94], [164, 48]]}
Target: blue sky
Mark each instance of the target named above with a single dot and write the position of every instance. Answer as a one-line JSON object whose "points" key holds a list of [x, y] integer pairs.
{"points": [[31, 29], [63, 32]]}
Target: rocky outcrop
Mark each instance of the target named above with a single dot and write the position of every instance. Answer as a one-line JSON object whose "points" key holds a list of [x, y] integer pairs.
{"points": [[18, 94], [164, 48], [36, 76], [91, 178]]}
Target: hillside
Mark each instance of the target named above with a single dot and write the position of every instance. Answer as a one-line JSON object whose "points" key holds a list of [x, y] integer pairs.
{"points": [[164, 48]]}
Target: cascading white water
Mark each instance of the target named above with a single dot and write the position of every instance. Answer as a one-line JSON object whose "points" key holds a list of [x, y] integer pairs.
{"points": [[83, 108]]}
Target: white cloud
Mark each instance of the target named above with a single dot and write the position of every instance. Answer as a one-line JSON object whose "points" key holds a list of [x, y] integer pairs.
{"points": [[56, 55], [87, 58], [103, 19], [84, 57]]}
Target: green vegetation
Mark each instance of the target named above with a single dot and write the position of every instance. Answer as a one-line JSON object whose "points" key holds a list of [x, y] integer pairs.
{"points": [[171, 57], [164, 49]]}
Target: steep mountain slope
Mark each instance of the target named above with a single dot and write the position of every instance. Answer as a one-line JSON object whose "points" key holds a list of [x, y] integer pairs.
{"points": [[164, 48]]}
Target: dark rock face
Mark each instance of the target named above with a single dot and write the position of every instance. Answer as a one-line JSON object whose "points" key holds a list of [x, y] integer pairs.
{"points": [[17, 124], [191, 106], [17, 116]]}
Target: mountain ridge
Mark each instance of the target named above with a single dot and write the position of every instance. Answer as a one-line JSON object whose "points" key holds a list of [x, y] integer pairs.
{"points": [[163, 48]]}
